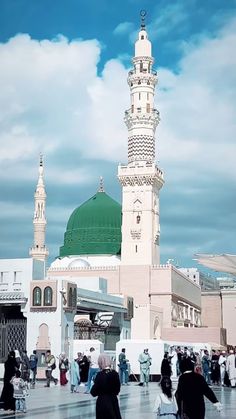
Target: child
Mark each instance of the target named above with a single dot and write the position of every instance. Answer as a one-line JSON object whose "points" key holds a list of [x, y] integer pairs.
{"points": [[165, 404], [19, 392]]}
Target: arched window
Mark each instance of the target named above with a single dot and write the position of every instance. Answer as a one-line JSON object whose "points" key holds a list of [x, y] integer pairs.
{"points": [[47, 296], [37, 296], [70, 298]]}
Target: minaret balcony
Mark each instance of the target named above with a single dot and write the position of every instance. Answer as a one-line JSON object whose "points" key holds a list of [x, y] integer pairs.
{"points": [[38, 250], [144, 71], [141, 117], [143, 59], [135, 174], [144, 78]]}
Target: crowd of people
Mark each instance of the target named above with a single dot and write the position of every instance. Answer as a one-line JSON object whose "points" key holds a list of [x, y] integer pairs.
{"points": [[20, 374], [196, 372], [218, 368], [91, 371]]}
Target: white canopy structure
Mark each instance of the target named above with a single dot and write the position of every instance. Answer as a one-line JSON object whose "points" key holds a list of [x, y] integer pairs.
{"points": [[220, 263]]}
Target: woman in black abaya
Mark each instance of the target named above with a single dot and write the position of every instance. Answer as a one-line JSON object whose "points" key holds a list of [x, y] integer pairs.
{"points": [[106, 387], [7, 391], [190, 393]]}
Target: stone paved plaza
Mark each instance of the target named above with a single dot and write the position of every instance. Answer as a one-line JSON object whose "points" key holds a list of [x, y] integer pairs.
{"points": [[136, 403]]}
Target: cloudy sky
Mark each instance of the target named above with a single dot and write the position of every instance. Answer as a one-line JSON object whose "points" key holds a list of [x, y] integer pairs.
{"points": [[63, 92]]}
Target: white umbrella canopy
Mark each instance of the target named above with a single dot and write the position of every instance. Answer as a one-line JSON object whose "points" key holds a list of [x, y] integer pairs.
{"points": [[220, 263], [217, 346]]}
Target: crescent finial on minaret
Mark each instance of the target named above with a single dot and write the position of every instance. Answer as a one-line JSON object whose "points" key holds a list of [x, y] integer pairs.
{"points": [[40, 159], [143, 15]]}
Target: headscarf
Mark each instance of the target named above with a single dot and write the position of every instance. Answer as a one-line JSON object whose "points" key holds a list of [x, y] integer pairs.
{"points": [[104, 361], [17, 353], [11, 355], [63, 355]]}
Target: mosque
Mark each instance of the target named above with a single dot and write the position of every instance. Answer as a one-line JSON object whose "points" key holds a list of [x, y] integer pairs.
{"points": [[108, 270], [122, 243]]}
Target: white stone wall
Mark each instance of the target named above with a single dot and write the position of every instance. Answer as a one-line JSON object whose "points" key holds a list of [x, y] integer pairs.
{"points": [[15, 275], [229, 314]]}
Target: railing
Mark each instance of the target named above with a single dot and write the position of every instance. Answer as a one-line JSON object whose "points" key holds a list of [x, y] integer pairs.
{"points": [[141, 110], [144, 71]]}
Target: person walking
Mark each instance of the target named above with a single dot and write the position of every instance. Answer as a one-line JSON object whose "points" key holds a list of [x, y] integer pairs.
{"points": [[173, 361], [186, 352], [84, 369], [166, 366], [179, 353], [79, 357], [19, 392], [193, 357], [74, 376], [106, 387], [123, 367], [10, 367], [215, 368], [33, 360], [230, 368], [222, 364], [63, 368], [206, 364], [145, 362], [165, 403], [192, 388], [198, 363], [25, 366], [93, 368], [51, 365]]}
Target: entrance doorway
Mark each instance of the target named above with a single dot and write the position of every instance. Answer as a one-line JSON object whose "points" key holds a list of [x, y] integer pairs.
{"points": [[12, 331]]}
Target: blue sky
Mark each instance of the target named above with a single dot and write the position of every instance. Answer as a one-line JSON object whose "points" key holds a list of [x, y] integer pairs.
{"points": [[63, 92]]}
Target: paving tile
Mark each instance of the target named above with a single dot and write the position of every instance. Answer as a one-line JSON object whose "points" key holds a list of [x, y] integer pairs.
{"points": [[136, 402]]}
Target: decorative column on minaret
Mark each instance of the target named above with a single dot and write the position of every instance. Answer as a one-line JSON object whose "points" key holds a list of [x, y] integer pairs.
{"points": [[141, 179], [39, 250]]}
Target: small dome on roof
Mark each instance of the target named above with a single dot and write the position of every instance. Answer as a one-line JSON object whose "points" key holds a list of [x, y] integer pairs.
{"points": [[79, 263]]}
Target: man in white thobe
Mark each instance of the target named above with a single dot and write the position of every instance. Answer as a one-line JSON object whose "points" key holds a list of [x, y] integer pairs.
{"points": [[145, 361], [222, 364], [230, 368]]}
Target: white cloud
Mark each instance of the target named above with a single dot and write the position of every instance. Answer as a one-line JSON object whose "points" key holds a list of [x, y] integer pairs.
{"points": [[51, 98], [123, 28], [198, 108]]}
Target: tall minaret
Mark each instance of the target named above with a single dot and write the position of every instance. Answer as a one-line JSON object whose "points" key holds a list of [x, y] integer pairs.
{"points": [[39, 250], [141, 179]]}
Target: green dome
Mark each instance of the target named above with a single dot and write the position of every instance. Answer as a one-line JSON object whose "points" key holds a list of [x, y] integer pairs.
{"points": [[94, 228]]}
